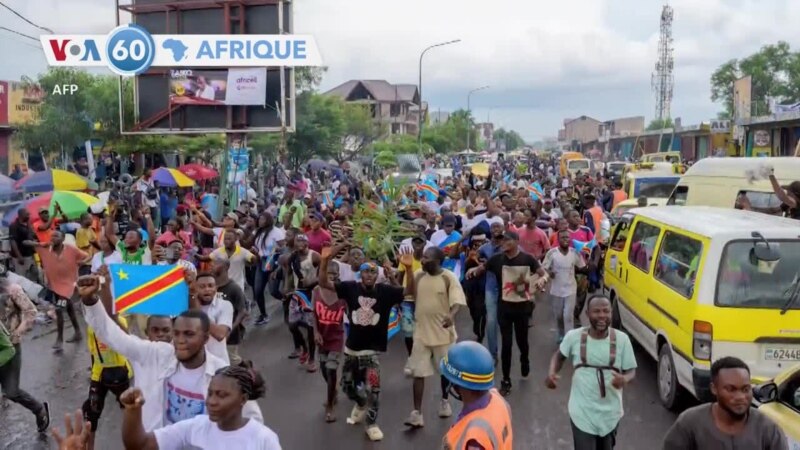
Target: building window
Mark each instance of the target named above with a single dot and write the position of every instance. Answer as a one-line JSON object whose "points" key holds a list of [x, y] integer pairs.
{"points": [[373, 109], [395, 128], [395, 109]]}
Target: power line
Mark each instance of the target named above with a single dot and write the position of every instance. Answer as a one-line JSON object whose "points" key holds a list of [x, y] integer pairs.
{"points": [[17, 32], [23, 18], [25, 42]]}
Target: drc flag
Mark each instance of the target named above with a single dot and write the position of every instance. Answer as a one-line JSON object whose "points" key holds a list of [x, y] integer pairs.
{"points": [[152, 290]]}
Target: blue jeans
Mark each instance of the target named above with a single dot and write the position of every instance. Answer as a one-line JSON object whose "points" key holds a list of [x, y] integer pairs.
{"points": [[260, 290], [491, 313]]}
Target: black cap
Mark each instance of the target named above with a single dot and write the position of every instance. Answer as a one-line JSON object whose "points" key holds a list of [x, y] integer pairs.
{"points": [[511, 235]]}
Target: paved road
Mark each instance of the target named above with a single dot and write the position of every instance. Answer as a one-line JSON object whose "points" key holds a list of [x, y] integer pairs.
{"points": [[293, 404]]}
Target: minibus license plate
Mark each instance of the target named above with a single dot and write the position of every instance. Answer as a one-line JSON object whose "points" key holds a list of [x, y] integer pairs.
{"points": [[782, 354]]}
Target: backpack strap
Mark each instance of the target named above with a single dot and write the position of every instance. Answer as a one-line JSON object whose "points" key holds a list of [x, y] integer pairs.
{"points": [[612, 347], [584, 339]]}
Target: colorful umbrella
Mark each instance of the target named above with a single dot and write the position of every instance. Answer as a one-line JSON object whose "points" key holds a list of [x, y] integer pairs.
{"points": [[7, 186], [51, 180], [73, 204], [171, 178], [198, 172]]}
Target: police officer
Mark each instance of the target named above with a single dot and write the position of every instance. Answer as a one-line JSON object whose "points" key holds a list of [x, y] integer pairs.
{"points": [[485, 420]]}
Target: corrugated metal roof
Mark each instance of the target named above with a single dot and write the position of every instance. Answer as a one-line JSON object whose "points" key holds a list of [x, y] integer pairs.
{"points": [[380, 90]]}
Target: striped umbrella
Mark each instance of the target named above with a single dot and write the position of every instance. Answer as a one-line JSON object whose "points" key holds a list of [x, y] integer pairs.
{"points": [[52, 180], [171, 178], [73, 204]]}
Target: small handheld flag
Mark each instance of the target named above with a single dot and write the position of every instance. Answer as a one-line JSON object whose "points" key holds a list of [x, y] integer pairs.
{"points": [[428, 190], [536, 191], [155, 290], [584, 248], [394, 322]]}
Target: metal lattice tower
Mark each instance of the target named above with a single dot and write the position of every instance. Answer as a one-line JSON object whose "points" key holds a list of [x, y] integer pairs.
{"points": [[662, 79]]}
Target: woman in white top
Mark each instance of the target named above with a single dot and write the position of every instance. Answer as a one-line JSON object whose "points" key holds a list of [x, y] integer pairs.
{"points": [[223, 427]]}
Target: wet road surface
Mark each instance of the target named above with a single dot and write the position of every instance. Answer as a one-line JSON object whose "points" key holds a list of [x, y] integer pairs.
{"points": [[293, 404]]}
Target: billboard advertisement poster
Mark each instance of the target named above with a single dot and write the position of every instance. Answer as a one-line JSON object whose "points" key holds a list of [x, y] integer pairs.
{"points": [[198, 87], [24, 102], [3, 103], [247, 86], [238, 165]]}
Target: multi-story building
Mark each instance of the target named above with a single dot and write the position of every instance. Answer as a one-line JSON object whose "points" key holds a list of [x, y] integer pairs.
{"points": [[580, 131], [395, 105]]}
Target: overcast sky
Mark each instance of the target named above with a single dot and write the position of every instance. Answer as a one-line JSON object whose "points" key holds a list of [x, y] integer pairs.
{"points": [[544, 61]]}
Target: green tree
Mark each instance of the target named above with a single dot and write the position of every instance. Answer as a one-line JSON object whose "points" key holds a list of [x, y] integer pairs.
{"points": [[62, 120], [659, 124], [775, 72], [360, 130], [308, 78], [320, 128], [512, 139]]}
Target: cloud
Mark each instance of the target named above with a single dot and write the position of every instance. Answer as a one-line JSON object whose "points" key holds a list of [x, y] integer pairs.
{"points": [[544, 60]]}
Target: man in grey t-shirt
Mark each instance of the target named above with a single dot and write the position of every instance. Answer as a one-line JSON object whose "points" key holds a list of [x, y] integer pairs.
{"points": [[730, 422]]}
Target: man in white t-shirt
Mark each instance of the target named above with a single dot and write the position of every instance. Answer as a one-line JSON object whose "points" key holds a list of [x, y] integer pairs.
{"points": [[174, 377], [219, 311], [146, 189], [561, 262]]}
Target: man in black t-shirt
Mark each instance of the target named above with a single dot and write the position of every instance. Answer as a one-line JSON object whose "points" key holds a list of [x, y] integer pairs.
{"points": [[20, 231], [231, 292], [369, 305], [515, 270]]}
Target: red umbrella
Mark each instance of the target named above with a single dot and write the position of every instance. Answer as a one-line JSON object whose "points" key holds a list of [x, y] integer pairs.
{"points": [[198, 172]]}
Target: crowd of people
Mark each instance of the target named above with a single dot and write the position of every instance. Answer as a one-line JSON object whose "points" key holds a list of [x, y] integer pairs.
{"points": [[496, 246]]}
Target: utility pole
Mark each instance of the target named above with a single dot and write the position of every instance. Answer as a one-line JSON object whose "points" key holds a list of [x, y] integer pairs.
{"points": [[469, 125], [419, 116]]}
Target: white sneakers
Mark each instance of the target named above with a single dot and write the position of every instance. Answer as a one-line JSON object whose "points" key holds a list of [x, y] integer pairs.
{"points": [[374, 433], [444, 408], [415, 420], [357, 415]]}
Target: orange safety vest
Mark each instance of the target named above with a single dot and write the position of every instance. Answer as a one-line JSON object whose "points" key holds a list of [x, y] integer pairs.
{"points": [[619, 196], [490, 427], [597, 218]]}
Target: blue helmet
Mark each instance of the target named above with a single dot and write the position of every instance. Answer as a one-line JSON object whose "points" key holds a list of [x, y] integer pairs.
{"points": [[469, 365]]}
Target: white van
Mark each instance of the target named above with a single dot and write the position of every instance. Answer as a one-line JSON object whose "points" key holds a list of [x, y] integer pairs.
{"points": [[719, 181]]}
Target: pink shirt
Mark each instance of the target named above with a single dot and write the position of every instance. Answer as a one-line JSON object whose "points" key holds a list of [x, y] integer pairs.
{"points": [[61, 269], [318, 239], [533, 241]]}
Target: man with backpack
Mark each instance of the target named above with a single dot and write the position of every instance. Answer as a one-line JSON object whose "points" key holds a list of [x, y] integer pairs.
{"points": [[604, 364]]}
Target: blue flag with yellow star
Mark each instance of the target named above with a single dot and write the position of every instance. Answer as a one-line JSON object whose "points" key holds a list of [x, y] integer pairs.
{"points": [[151, 290]]}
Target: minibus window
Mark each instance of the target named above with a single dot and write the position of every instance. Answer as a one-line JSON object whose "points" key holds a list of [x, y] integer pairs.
{"points": [[643, 242], [762, 200], [657, 187], [679, 196], [745, 282], [621, 235], [678, 260]]}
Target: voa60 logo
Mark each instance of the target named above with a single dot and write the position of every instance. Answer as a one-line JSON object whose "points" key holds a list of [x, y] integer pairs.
{"points": [[127, 50]]}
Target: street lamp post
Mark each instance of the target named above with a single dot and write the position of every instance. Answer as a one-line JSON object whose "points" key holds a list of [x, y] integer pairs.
{"points": [[469, 131], [419, 116]]}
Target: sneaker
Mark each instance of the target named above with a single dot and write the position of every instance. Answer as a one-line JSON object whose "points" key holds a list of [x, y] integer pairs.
{"points": [[525, 369], [303, 359], [357, 415], [262, 320], [505, 387], [294, 355], [444, 408], [43, 418], [415, 420], [407, 370], [75, 338], [311, 367], [374, 433]]}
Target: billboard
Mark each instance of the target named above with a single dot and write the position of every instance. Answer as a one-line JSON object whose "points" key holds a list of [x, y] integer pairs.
{"points": [[3, 103], [218, 87], [23, 102]]}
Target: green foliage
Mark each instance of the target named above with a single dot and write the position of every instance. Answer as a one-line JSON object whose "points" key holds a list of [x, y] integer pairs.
{"points": [[308, 78], [396, 144], [320, 128], [378, 229], [512, 139], [660, 124], [451, 136], [775, 72], [360, 130]]}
